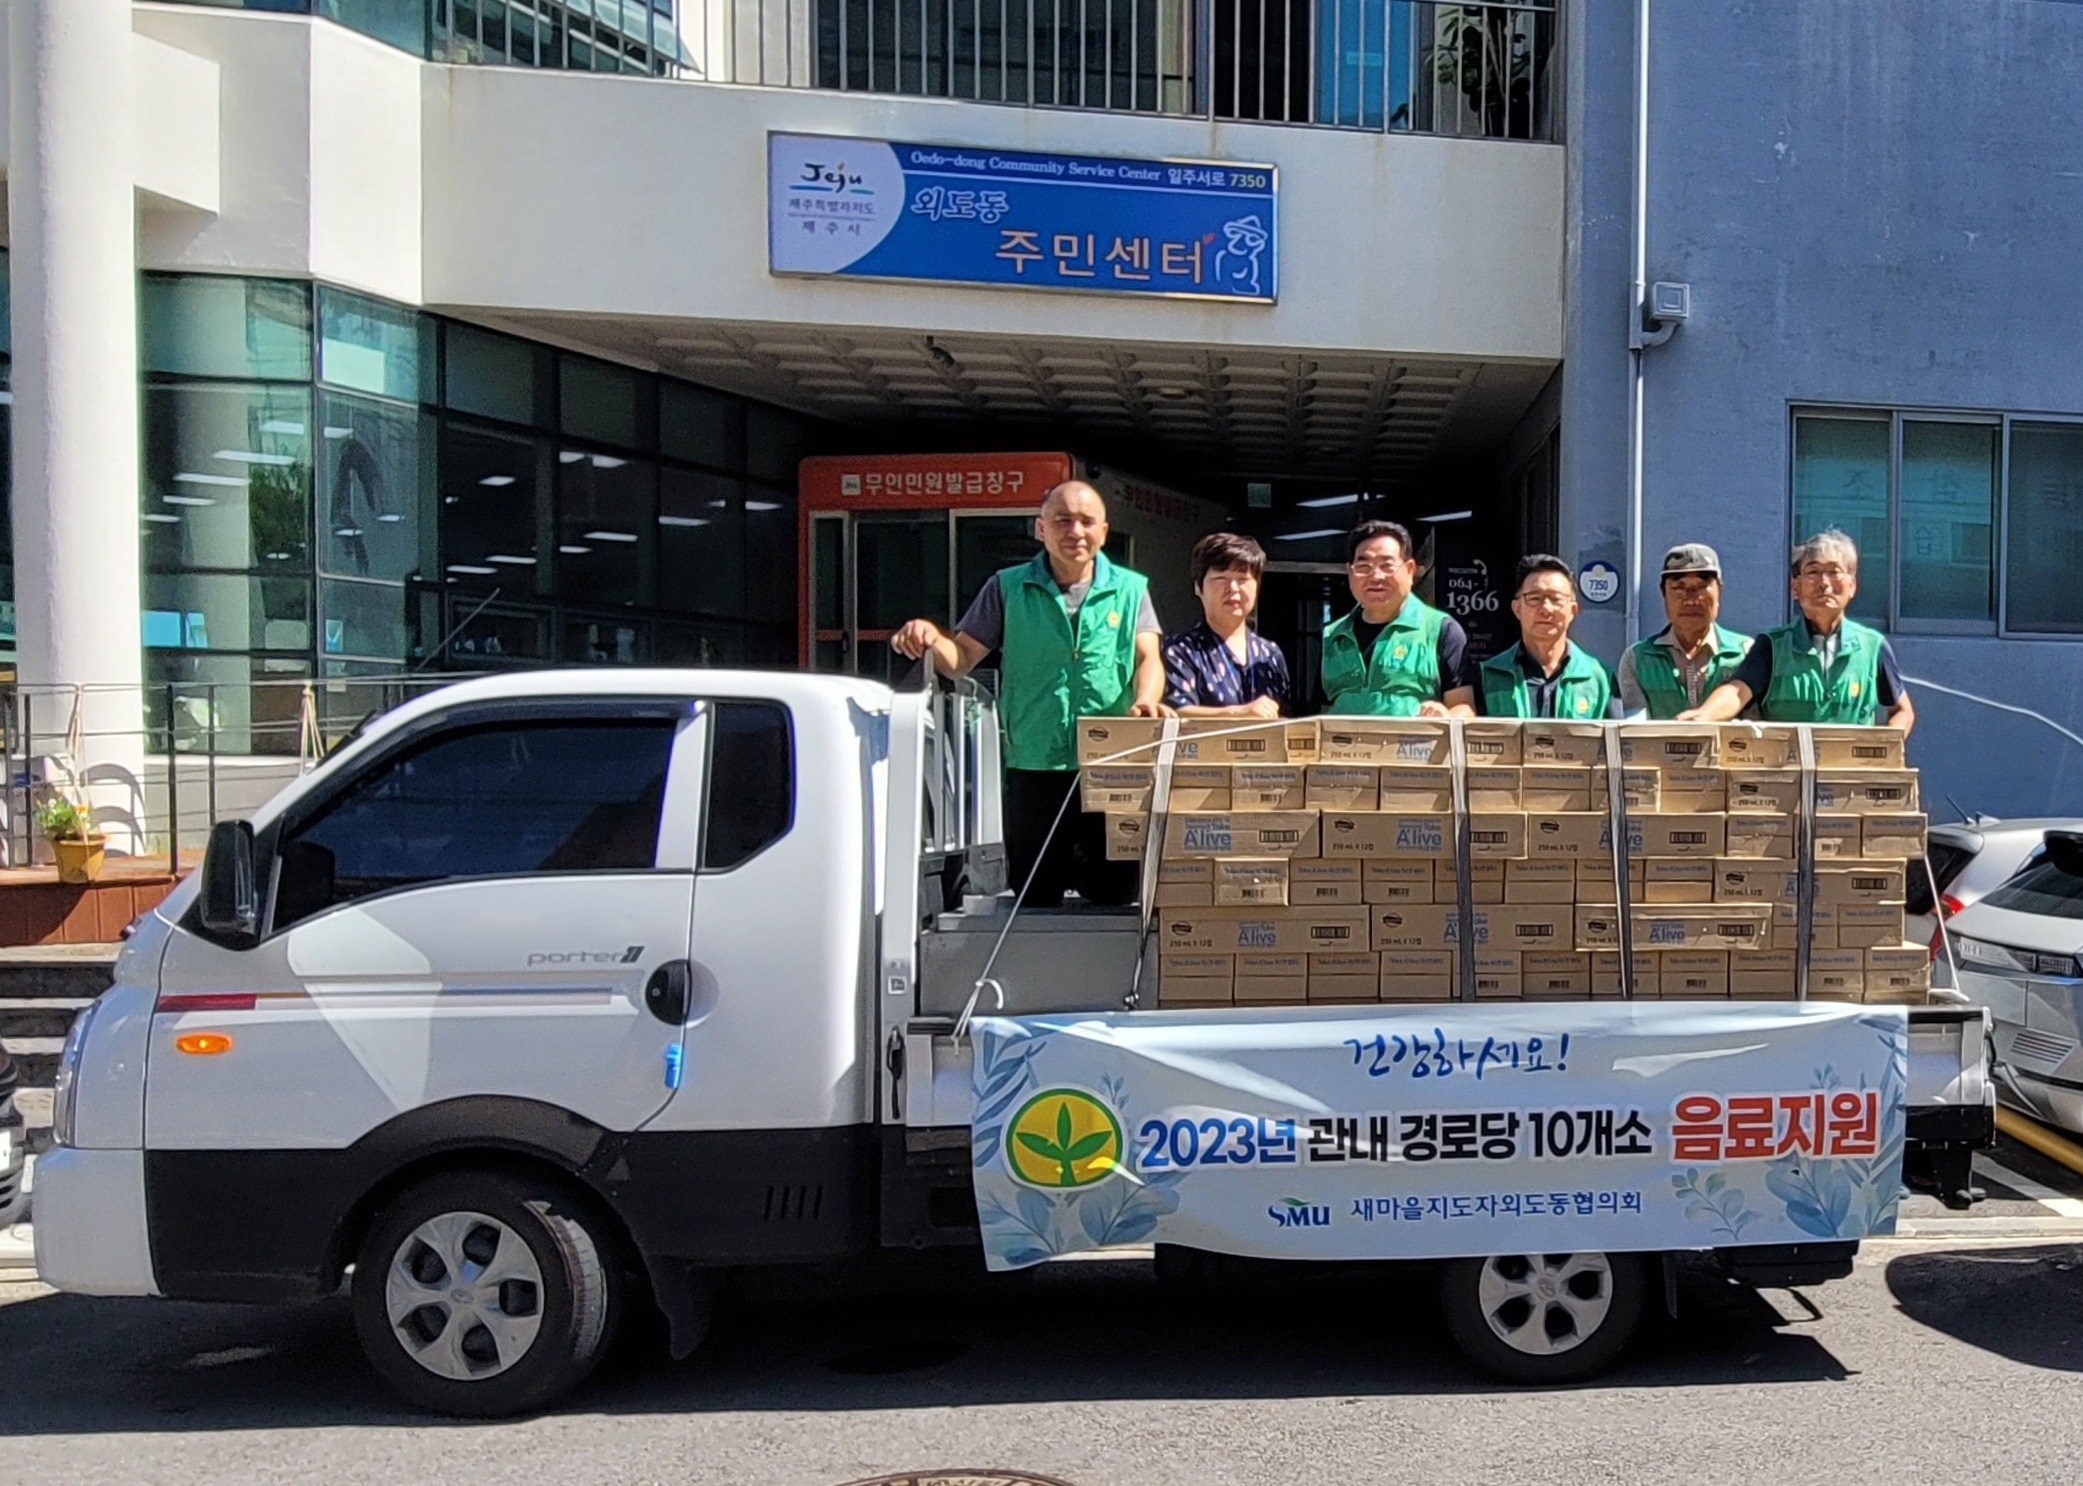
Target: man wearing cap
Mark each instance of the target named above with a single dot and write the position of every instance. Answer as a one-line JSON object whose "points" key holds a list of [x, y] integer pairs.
{"points": [[1677, 667], [1824, 667]]}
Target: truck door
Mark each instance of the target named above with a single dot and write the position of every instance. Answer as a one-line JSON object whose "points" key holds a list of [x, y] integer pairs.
{"points": [[498, 903]]}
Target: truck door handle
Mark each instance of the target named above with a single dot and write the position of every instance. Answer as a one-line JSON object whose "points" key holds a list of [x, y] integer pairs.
{"points": [[666, 992]]}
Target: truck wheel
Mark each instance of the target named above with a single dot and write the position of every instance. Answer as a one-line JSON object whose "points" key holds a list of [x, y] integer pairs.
{"points": [[1543, 1318], [480, 1294]]}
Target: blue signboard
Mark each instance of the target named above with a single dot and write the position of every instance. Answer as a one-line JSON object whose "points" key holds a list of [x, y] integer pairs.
{"points": [[867, 208]]}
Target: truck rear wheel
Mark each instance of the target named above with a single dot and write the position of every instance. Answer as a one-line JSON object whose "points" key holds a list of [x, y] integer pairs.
{"points": [[1543, 1318], [481, 1294]]}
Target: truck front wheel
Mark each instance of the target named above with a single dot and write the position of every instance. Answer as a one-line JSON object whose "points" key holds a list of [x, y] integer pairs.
{"points": [[1543, 1318], [481, 1294]]}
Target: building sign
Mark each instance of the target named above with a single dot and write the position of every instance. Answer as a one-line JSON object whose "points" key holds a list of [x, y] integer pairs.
{"points": [[839, 481], [948, 214]]}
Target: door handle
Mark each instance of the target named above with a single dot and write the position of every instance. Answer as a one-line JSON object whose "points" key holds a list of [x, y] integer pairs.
{"points": [[666, 992]]}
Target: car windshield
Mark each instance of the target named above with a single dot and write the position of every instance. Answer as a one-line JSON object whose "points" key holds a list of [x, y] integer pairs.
{"points": [[2046, 887]]}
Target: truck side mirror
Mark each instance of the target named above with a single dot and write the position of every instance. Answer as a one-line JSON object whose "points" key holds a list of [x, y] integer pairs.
{"points": [[229, 902]]}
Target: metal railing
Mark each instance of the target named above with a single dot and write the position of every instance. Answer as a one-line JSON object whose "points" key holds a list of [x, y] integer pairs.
{"points": [[1488, 71]]}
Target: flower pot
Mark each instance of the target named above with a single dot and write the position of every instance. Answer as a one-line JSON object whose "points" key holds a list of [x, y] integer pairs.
{"points": [[80, 861]]}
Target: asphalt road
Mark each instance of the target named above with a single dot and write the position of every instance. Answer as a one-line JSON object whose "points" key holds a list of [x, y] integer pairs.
{"points": [[1937, 1360]]}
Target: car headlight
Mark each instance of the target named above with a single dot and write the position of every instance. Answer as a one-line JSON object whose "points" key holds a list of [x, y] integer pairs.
{"points": [[65, 1093]]}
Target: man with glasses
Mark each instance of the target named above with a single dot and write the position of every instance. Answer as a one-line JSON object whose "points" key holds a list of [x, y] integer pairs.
{"points": [[1394, 655], [1544, 675], [1823, 667], [1678, 666]]}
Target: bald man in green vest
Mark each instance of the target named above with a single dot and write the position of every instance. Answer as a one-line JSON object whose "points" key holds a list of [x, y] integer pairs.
{"points": [[1077, 637]]}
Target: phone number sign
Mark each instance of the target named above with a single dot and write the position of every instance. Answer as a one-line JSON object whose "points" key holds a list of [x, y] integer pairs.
{"points": [[866, 208]]}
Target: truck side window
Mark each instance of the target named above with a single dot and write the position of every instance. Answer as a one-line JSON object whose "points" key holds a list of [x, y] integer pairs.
{"points": [[500, 800], [752, 782]]}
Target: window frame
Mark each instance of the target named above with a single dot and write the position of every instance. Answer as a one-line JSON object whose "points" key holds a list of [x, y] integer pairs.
{"points": [[710, 707]]}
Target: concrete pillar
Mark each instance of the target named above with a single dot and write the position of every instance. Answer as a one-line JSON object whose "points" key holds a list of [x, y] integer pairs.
{"points": [[73, 257]]}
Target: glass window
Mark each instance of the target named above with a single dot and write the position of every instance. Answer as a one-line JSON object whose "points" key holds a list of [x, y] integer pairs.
{"points": [[234, 703], [596, 641], [696, 424], [402, 23], [751, 782], [770, 555], [606, 527], [488, 511], [483, 637], [700, 645], [226, 611], [200, 325], [362, 619], [701, 543], [2045, 528], [366, 346], [227, 479], [1948, 518], [2051, 887], [487, 802], [368, 487], [775, 442], [1841, 480], [900, 569], [603, 402], [490, 375]]}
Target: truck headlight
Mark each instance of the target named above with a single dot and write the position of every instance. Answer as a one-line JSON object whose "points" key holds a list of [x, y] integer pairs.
{"points": [[65, 1093]]}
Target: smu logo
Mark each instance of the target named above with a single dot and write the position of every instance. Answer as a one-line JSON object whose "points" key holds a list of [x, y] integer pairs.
{"points": [[1293, 1212]]}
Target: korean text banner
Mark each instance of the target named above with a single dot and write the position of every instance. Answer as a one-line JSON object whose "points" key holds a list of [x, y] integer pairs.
{"points": [[946, 214], [1438, 1132]]}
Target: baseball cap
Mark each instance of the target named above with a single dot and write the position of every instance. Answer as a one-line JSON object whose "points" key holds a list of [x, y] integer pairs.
{"points": [[1691, 557]]}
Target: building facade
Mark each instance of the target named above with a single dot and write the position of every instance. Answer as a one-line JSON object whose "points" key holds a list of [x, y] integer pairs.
{"points": [[440, 335]]}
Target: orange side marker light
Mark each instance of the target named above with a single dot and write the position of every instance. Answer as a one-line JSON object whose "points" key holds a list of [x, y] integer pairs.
{"points": [[203, 1044]]}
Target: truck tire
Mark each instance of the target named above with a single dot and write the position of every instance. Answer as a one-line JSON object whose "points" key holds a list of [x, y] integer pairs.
{"points": [[1543, 1318], [482, 1294]]}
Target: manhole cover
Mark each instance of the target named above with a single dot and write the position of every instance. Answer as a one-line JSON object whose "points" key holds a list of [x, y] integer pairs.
{"points": [[961, 1478]]}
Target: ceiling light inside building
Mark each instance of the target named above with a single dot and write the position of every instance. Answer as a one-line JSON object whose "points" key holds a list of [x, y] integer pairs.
{"points": [[390, 516], [338, 433], [763, 505], [497, 481], [347, 531], [683, 521], [606, 461], [284, 426], [472, 568], [1447, 516], [512, 560], [611, 536], [187, 500], [163, 518], [1321, 501], [254, 456], [189, 477], [1310, 536], [573, 550], [570, 456]]}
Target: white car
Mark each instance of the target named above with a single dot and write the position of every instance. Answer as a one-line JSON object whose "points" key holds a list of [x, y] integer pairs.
{"points": [[2018, 951], [1968, 859]]}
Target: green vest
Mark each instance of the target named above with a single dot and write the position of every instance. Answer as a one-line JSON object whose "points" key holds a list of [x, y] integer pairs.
{"points": [[1401, 674], [1582, 687], [1802, 692], [1663, 688], [1050, 677]]}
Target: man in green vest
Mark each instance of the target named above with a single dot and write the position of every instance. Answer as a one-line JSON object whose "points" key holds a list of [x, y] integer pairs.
{"points": [[1077, 637], [1676, 667], [1544, 675], [1824, 667], [1394, 655]]}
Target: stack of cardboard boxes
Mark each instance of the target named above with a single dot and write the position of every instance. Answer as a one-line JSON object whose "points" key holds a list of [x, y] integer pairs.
{"points": [[1316, 861]]}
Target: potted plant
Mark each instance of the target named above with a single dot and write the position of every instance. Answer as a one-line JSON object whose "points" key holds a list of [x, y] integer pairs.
{"points": [[70, 830]]}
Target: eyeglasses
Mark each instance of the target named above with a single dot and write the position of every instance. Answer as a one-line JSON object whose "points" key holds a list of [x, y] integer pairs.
{"points": [[1539, 600], [1374, 569], [1831, 574]]}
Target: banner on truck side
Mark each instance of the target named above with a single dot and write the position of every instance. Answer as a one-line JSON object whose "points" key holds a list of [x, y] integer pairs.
{"points": [[1438, 1131]]}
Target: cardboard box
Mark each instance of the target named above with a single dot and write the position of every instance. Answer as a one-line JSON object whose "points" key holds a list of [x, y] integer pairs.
{"points": [[1738, 881], [1837, 838], [1545, 742], [1720, 926], [1200, 787], [1898, 970], [1258, 787], [1342, 787], [1865, 791], [1493, 740], [1605, 974], [1194, 995], [1492, 787], [1670, 745], [1822, 926], [1836, 971], [1555, 973], [1247, 880], [1215, 740], [1549, 880], [1759, 745], [1694, 792], [1569, 834], [1759, 837], [1692, 974], [1420, 789], [1485, 884], [1115, 788], [1678, 835], [1196, 980], [1772, 791], [1863, 925], [1642, 789], [1405, 926], [1396, 880], [1548, 928], [1344, 978], [1863, 882], [1186, 883], [1496, 834], [1104, 737], [1676, 880], [1231, 833], [1126, 836], [1885, 836], [1413, 988], [1858, 748], [1499, 987], [1434, 961], [1265, 979], [1352, 833], [1303, 736], [1760, 985], [1317, 883], [1551, 788], [1595, 882], [1230, 931], [1382, 740]]}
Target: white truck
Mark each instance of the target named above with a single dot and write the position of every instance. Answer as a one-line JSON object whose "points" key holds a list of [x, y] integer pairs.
{"points": [[553, 994]]}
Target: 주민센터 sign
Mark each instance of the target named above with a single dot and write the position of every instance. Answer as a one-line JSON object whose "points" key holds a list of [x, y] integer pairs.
{"points": [[866, 208], [1439, 1132]]}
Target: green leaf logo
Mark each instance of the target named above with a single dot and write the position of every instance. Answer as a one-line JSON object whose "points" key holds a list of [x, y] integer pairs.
{"points": [[1063, 1138]]}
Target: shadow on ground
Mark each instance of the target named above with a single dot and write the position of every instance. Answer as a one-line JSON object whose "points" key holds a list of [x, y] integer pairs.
{"points": [[2023, 1303], [936, 1335]]}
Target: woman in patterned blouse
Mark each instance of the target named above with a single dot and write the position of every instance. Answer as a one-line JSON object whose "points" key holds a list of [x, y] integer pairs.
{"points": [[1222, 667]]}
